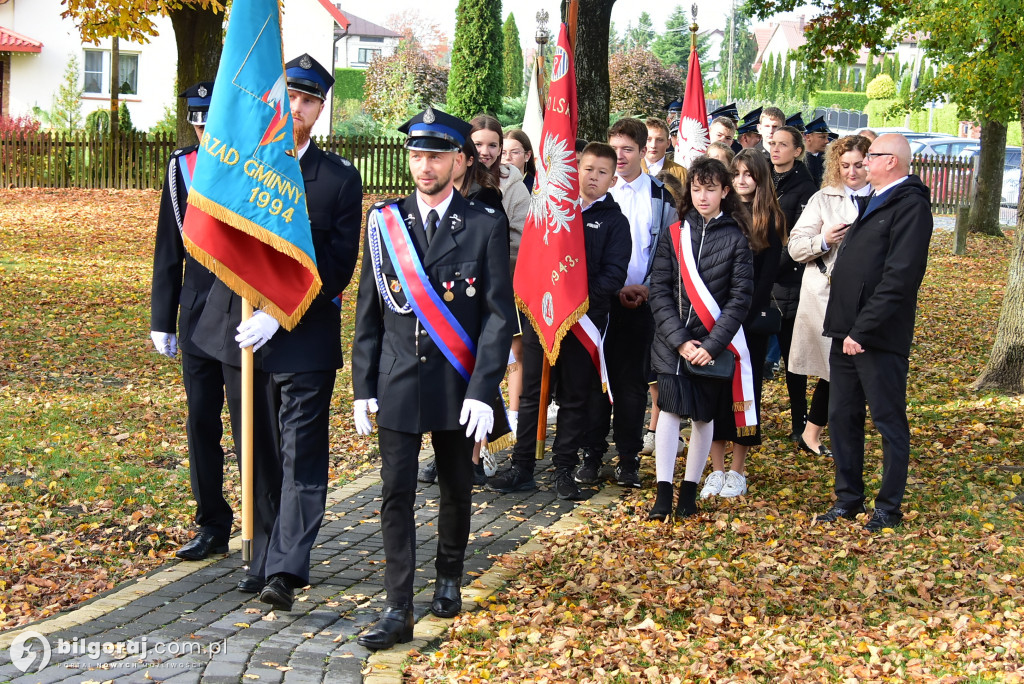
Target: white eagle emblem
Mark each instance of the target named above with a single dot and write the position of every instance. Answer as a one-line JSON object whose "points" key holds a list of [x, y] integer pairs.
{"points": [[693, 141], [550, 205]]}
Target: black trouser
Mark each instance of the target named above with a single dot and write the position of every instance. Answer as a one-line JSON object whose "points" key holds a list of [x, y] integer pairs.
{"points": [[627, 351], [880, 379], [796, 387], [579, 400], [299, 405], [204, 392], [399, 452], [265, 461]]}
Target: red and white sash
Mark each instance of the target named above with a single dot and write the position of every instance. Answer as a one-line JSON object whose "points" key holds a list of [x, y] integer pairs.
{"points": [[708, 311], [593, 341]]}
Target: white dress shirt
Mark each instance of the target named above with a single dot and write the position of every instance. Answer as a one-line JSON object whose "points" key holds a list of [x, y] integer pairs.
{"points": [[634, 199]]}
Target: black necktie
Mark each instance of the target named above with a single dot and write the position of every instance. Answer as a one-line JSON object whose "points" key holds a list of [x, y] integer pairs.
{"points": [[431, 226]]}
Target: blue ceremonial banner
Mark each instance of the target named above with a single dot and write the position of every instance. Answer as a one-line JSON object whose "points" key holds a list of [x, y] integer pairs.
{"points": [[247, 221]]}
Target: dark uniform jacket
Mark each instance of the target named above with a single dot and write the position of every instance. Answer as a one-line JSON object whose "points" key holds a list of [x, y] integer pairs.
{"points": [[816, 167], [334, 193], [725, 265], [793, 191], [878, 271], [395, 360], [177, 294], [608, 246]]}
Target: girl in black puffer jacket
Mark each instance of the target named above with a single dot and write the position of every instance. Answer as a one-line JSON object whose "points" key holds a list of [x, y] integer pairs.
{"points": [[717, 224]]}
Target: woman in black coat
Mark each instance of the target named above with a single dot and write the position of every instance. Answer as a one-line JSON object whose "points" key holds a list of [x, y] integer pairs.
{"points": [[715, 222], [794, 188]]}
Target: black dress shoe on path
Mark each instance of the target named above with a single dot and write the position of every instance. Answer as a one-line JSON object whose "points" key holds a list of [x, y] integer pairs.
{"points": [[447, 600], [881, 520], [251, 585], [201, 546], [278, 593], [394, 626]]}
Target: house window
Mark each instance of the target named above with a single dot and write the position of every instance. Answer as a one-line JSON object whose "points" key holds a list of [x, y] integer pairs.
{"points": [[97, 73], [372, 39], [367, 55]]}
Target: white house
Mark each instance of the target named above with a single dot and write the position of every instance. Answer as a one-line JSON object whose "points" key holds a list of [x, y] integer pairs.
{"points": [[36, 45], [357, 46]]}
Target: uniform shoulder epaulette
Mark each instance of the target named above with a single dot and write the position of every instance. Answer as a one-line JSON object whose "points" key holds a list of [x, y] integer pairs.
{"points": [[483, 208], [337, 159], [384, 203], [184, 150]]}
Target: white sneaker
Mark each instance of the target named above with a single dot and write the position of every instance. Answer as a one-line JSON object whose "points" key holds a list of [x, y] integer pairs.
{"points": [[489, 461], [713, 484], [735, 485], [682, 446], [552, 412], [648, 444]]}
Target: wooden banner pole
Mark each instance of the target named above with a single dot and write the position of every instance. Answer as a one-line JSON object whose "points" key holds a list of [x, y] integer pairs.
{"points": [[246, 440]]}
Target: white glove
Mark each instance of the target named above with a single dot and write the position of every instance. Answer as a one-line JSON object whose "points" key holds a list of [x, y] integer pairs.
{"points": [[361, 410], [256, 331], [165, 343], [478, 418]]}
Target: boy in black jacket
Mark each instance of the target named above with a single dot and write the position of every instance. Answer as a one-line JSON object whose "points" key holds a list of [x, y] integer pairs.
{"points": [[608, 247]]}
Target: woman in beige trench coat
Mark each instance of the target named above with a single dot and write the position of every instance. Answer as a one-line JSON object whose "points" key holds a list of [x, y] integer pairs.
{"points": [[812, 241]]}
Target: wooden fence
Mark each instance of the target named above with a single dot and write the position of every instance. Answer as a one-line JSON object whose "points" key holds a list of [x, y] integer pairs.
{"points": [[79, 160]]}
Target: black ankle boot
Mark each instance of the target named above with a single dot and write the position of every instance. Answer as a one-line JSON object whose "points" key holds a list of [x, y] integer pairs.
{"points": [[687, 504], [662, 508]]}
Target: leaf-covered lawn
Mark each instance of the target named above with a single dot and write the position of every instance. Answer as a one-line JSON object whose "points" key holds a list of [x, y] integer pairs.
{"points": [[94, 483], [754, 590]]}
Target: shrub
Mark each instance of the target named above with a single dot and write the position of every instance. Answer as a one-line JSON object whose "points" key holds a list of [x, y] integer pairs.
{"points": [[881, 87], [19, 124], [349, 84], [839, 100], [640, 84], [402, 83]]}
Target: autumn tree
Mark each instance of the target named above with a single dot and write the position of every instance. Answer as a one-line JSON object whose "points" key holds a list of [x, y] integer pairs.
{"points": [[423, 33], [980, 47], [513, 63], [640, 84], [406, 81], [476, 82], [66, 114], [198, 34]]}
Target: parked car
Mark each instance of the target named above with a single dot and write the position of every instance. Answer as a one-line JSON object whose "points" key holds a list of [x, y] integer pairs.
{"points": [[1011, 172], [949, 146]]}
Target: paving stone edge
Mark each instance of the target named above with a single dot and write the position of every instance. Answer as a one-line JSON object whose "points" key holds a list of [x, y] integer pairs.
{"points": [[164, 575], [388, 667]]}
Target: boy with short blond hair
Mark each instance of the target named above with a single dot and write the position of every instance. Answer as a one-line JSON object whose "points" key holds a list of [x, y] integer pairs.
{"points": [[607, 248], [656, 153]]}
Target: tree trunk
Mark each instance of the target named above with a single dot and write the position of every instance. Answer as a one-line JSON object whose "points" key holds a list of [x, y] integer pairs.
{"points": [[1005, 368], [592, 86], [199, 36], [985, 208]]}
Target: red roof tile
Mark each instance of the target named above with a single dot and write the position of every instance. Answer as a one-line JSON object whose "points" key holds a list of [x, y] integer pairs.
{"points": [[10, 41]]}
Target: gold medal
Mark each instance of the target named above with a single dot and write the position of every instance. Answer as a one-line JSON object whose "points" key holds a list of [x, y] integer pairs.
{"points": [[448, 296]]}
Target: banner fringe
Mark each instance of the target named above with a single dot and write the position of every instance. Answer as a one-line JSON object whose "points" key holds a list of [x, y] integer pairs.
{"points": [[563, 329], [506, 441], [287, 319], [746, 431]]}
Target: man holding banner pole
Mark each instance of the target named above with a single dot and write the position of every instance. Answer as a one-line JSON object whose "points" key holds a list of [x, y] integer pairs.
{"points": [[278, 222], [434, 323]]}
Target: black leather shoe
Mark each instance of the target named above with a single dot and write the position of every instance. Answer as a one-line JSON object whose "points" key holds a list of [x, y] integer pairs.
{"points": [[662, 508], [250, 584], [822, 449], [882, 519], [428, 473], [278, 593], [479, 476], [447, 597], [394, 626], [837, 512], [201, 546]]}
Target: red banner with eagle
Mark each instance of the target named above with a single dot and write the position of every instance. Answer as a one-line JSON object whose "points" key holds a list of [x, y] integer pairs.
{"points": [[693, 121], [551, 269]]}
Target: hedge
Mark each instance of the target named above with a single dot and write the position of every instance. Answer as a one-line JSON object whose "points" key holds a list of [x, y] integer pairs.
{"points": [[348, 83], [841, 100]]}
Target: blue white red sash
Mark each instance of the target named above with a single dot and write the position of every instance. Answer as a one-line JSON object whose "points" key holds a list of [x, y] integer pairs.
{"points": [[187, 166], [442, 326], [593, 341], [708, 311]]}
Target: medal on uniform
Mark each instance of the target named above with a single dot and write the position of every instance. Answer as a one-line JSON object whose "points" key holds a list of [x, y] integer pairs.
{"points": [[470, 290], [396, 286], [448, 285]]}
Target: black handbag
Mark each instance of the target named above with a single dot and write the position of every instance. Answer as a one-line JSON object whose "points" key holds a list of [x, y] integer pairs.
{"points": [[766, 322], [719, 368]]}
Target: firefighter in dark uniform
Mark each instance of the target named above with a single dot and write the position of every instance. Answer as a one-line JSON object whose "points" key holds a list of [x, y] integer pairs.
{"points": [[401, 361], [298, 366], [817, 136], [180, 287]]}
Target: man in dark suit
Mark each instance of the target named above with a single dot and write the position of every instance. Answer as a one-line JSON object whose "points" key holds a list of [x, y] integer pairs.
{"points": [[298, 366], [434, 323], [870, 318], [181, 294]]}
